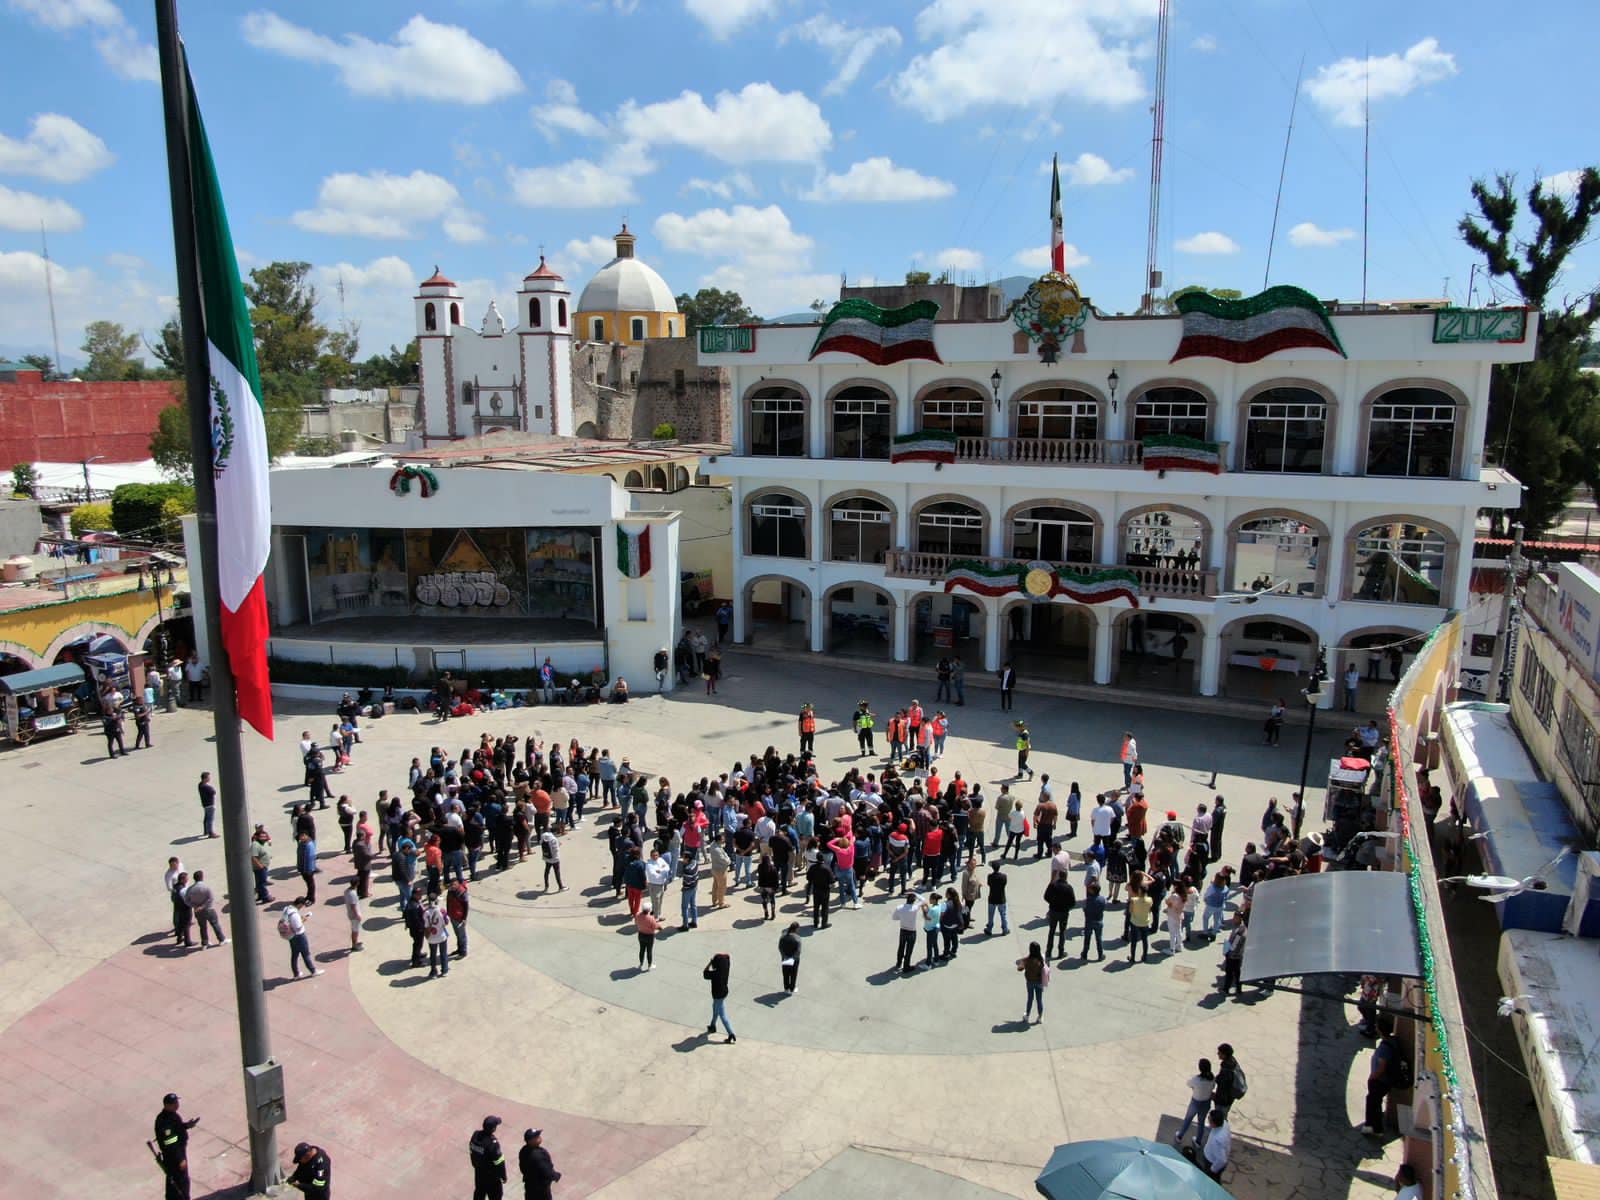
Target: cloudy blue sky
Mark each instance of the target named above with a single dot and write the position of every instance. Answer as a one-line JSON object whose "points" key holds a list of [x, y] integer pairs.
{"points": [[769, 145]]}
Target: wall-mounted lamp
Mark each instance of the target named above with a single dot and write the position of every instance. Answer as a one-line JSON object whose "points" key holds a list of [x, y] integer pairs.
{"points": [[1111, 385], [994, 385]]}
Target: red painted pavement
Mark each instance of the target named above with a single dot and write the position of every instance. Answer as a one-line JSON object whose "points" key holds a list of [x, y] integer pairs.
{"points": [[82, 1076]]}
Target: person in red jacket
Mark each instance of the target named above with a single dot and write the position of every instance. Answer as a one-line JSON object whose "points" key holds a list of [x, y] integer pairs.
{"points": [[932, 855], [456, 906]]}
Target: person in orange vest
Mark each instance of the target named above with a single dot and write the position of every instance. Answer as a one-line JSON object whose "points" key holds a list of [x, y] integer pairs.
{"points": [[925, 744], [808, 729], [941, 727], [914, 722], [1130, 757], [897, 736]]}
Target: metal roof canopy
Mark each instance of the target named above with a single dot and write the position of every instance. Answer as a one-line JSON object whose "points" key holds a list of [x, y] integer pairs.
{"points": [[60, 676], [1333, 922]]}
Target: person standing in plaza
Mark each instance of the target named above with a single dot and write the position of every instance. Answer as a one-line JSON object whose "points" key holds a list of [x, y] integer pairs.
{"points": [[1219, 816], [1102, 819], [457, 906], [488, 1161], [1352, 685], [292, 928], [713, 670], [195, 672], [1172, 908], [1036, 973], [689, 890], [1024, 748], [1060, 900], [208, 805], [182, 914], [305, 861], [1233, 959], [1129, 754], [1016, 830], [1003, 804], [942, 673], [313, 1171], [361, 856], [203, 901], [172, 1142], [1272, 730], [819, 882], [353, 914], [958, 680], [1044, 821], [1214, 1151], [1385, 1075], [1201, 1086], [863, 721], [808, 730], [261, 862], [724, 621], [1140, 913], [646, 925], [997, 901], [717, 972], [907, 915], [789, 956], [1231, 1087], [436, 928], [550, 852], [1008, 686], [111, 726], [538, 1172], [1094, 916], [141, 726]]}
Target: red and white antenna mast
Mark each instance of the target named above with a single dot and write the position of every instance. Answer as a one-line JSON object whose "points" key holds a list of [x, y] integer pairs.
{"points": [[1158, 121]]}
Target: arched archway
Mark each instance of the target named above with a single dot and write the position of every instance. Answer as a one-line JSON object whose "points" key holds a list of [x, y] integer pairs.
{"points": [[1399, 559], [858, 619], [1267, 657], [944, 624], [1157, 651], [71, 644], [775, 419], [1277, 547], [1055, 640], [777, 612], [1054, 530], [588, 430], [1380, 654], [12, 662], [633, 479], [958, 406], [680, 478], [658, 479]]}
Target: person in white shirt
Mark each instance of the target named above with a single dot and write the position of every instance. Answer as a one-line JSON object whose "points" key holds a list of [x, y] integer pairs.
{"points": [[908, 915], [1100, 820], [436, 928], [194, 670], [1200, 827], [1407, 1187], [1218, 1144], [352, 911], [657, 874], [174, 869], [1202, 1085]]}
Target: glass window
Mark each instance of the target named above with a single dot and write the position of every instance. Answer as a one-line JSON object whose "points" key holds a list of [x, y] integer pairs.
{"points": [[1053, 534], [1274, 551], [777, 527], [455, 314], [638, 329], [777, 423], [1579, 750], [430, 318], [1398, 564], [958, 410], [1163, 539], [859, 531], [1413, 433], [1062, 413], [598, 329], [534, 312], [1174, 410], [1538, 687], [1284, 432], [947, 527], [561, 313], [861, 423], [633, 480]]}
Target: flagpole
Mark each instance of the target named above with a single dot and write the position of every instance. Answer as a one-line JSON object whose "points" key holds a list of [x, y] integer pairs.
{"points": [[254, 1036]]}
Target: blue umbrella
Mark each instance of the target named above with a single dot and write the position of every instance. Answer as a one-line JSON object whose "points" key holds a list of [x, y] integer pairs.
{"points": [[1129, 1168]]}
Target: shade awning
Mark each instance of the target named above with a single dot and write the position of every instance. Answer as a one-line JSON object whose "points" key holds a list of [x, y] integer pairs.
{"points": [[61, 676], [1333, 922]]}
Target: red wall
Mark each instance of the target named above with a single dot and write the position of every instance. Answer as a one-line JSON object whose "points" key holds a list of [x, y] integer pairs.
{"points": [[68, 422]]}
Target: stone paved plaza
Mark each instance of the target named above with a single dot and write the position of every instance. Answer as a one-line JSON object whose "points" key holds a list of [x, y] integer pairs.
{"points": [[860, 1084]]}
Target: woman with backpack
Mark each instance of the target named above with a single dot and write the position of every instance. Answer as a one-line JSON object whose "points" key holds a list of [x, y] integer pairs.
{"points": [[1036, 974]]}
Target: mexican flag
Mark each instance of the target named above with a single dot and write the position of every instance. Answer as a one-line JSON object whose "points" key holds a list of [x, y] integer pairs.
{"points": [[879, 335], [633, 552], [1058, 244], [930, 445], [238, 437], [1174, 452], [1004, 579], [1247, 330]]}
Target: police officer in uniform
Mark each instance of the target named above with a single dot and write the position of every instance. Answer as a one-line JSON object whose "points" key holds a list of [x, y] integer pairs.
{"points": [[488, 1163], [538, 1172], [172, 1139], [808, 730], [313, 1171], [864, 721]]}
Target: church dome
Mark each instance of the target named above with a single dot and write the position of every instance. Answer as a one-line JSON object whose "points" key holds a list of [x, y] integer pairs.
{"points": [[626, 285]]}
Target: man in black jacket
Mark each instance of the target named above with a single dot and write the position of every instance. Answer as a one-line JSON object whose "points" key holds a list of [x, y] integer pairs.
{"points": [[313, 1171], [1061, 899], [488, 1163], [538, 1172], [717, 971]]}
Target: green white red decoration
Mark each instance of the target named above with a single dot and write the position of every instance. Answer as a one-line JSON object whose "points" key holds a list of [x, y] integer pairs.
{"points": [[1173, 452], [1043, 581], [633, 552], [238, 436], [930, 445], [879, 335], [400, 482], [1247, 330], [1051, 311]]}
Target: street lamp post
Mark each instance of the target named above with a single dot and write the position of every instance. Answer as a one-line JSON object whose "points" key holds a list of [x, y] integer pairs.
{"points": [[86, 491], [1313, 695]]}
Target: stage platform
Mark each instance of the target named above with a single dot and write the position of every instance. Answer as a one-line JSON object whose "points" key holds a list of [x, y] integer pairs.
{"points": [[427, 645], [440, 631]]}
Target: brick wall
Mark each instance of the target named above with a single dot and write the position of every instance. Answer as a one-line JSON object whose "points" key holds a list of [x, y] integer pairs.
{"points": [[67, 422]]}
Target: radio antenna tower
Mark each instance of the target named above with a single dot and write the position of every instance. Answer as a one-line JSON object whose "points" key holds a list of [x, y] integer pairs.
{"points": [[1158, 121]]}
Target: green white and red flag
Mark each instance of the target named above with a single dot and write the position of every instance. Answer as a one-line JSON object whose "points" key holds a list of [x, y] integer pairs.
{"points": [[1058, 242], [633, 552], [238, 437], [1247, 330], [879, 335], [926, 445]]}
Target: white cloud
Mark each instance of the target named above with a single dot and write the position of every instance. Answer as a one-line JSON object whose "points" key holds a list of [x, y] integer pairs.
{"points": [[1090, 170], [1308, 233], [1341, 89], [1037, 258], [425, 60], [849, 49], [27, 212], [1562, 183], [1210, 242], [380, 205], [723, 18], [757, 124], [463, 227], [390, 272], [561, 113], [56, 148], [579, 183], [878, 181], [755, 237], [590, 250], [1205, 44], [1025, 53], [81, 295], [730, 185], [958, 259], [115, 39], [773, 293], [125, 262]]}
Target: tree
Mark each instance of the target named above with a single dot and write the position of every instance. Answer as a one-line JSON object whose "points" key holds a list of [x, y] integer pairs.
{"points": [[170, 447], [337, 365], [139, 510], [712, 306], [283, 309], [1169, 302], [168, 349], [394, 369], [24, 480], [41, 363], [1544, 416], [111, 352], [664, 432], [90, 518]]}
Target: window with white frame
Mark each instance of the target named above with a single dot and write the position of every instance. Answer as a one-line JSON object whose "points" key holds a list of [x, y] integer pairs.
{"points": [[1538, 687], [1285, 430], [1398, 564], [948, 527], [777, 423], [1579, 751], [862, 425], [1275, 552], [859, 530], [1062, 413], [1053, 535], [954, 410], [1412, 433], [777, 527], [1171, 411]]}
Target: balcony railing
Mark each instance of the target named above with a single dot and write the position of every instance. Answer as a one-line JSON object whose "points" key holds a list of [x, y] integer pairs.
{"points": [[1058, 452], [1153, 581]]}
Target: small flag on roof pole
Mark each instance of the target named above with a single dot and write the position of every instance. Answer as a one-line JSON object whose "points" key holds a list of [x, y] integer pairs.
{"points": [[1058, 245], [238, 437]]}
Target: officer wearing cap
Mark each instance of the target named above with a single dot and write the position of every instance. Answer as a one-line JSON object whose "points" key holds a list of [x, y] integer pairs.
{"points": [[313, 1172], [538, 1172], [488, 1163], [172, 1140]]}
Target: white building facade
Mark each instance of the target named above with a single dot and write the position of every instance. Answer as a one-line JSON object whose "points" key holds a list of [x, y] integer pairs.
{"points": [[1341, 517]]}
